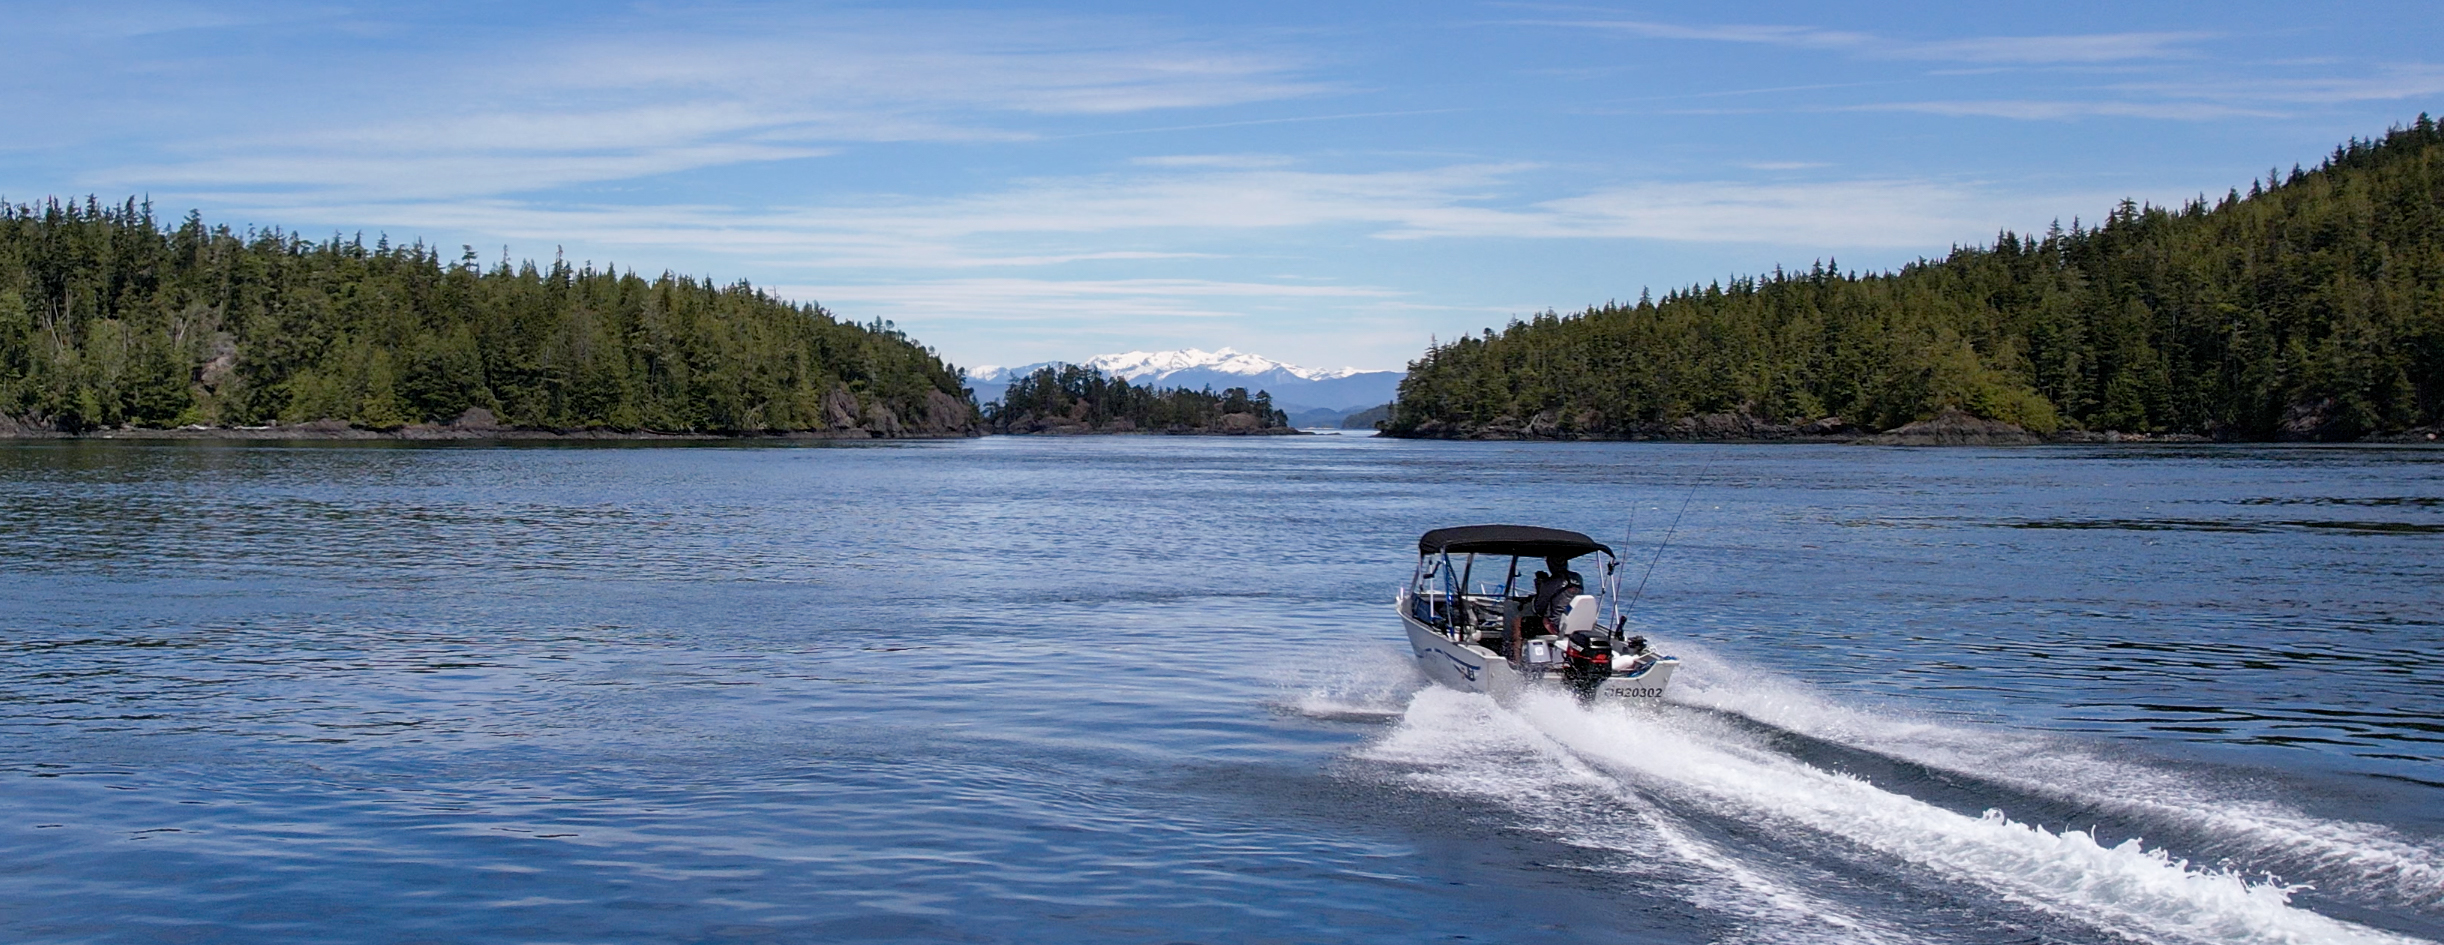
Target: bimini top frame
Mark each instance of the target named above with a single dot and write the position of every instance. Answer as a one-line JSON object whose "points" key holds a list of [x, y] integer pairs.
{"points": [[1518, 541]]}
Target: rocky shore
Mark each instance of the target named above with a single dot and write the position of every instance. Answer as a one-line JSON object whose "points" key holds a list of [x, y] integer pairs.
{"points": [[1229, 424], [1549, 425], [480, 424], [1952, 427]]}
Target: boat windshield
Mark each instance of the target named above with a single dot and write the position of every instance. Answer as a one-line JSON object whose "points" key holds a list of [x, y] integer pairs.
{"points": [[1455, 591]]}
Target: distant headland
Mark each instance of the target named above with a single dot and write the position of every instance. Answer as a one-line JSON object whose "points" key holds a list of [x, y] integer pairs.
{"points": [[2310, 308], [111, 322]]}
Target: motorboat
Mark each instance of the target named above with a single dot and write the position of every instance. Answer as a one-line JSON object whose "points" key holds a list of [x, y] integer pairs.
{"points": [[1479, 625]]}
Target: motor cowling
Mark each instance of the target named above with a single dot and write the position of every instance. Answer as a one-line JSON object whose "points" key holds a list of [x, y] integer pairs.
{"points": [[1587, 658]]}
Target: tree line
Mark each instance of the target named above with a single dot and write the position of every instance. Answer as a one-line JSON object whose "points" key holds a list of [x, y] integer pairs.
{"points": [[2311, 307], [1070, 398], [108, 318]]}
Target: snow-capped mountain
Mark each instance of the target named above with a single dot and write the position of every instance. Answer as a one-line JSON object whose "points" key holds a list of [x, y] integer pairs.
{"points": [[1294, 388], [1138, 365]]}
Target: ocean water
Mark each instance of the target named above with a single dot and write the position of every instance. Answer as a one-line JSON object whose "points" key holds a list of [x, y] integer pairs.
{"points": [[1152, 690]]}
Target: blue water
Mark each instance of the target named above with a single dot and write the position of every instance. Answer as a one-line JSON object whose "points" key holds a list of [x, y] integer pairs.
{"points": [[1151, 690]]}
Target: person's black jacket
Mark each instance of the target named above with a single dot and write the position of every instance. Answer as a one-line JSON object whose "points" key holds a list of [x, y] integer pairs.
{"points": [[1553, 594]]}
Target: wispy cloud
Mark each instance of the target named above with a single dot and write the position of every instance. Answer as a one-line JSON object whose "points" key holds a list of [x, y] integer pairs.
{"points": [[1869, 213], [582, 109], [2205, 90], [2042, 50], [1062, 317], [2028, 110], [2389, 82], [2026, 50], [1207, 211], [1032, 222], [2200, 99], [985, 63], [1214, 160], [1029, 299]]}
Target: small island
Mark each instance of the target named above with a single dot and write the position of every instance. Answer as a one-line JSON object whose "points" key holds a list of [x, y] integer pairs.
{"points": [[1069, 399]]}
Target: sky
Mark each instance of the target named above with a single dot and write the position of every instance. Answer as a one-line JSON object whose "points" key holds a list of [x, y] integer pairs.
{"points": [[1327, 184]]}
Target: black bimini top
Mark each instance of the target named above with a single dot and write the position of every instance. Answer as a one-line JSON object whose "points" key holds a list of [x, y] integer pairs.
{"points": [[1526, 541]]}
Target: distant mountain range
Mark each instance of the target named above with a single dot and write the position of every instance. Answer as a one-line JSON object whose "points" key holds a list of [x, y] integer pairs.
{"points": [[1311, 396]]}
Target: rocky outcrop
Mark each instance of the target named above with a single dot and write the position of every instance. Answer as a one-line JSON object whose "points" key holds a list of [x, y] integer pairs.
{"points": [[945, 415], [2414, 435], [840, 409], [2307, 420], [14, 428], [475, 423], [1954, 427], [1243, 424], [1076, 424], [1238, 424], [881, 421], [937, 414], [2117, 436], [1732, 426], [1739, 427], [476, 420]]}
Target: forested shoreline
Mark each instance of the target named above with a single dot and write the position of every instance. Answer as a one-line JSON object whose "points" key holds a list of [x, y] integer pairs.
{"points": [[1073, 399], [109, 320], [2310, 308]]}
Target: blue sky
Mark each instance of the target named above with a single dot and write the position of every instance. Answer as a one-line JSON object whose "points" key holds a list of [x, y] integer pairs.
{"points": [[1328, 184]]}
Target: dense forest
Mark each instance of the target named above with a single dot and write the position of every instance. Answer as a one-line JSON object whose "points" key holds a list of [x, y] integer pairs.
{"points": [[109, 319], [2310, 308], [1074, 399]]}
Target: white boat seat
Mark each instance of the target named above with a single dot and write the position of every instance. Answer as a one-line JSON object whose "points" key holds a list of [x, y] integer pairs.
{"points": [[1580, 618]]}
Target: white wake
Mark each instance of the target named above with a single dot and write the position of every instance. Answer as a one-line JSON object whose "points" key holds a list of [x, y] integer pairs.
{"points": [[2369, 859], [1549, 743]]}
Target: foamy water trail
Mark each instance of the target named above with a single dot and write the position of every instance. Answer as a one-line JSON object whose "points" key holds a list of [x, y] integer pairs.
{"points": [[2124, 888], [1373, 681], [1549, 742], [2339, 856], [1467, 746]]}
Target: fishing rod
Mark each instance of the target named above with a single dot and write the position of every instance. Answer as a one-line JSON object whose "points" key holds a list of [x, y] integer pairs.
{"points": [[1612, 572], [1669, 532]]}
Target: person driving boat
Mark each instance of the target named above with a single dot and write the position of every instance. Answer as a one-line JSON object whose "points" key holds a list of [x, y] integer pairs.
{"points": [[1555, 587]]}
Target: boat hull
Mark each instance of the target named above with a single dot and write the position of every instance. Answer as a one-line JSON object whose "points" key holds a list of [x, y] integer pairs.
{"points": [[1471, 668]]}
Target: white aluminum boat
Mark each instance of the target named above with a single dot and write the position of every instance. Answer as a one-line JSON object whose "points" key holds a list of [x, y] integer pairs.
{"points": [[1477, 627]]}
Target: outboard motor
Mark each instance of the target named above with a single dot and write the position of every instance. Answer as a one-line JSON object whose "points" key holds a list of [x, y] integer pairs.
{"points": [[1587, 659]]}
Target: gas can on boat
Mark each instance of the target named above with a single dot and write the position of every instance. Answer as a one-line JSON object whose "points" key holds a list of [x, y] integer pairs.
{"points": [[1538, 651]]}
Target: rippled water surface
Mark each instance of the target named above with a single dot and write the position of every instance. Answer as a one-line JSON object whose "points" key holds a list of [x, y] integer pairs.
{"points": [[1150, 689]]}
